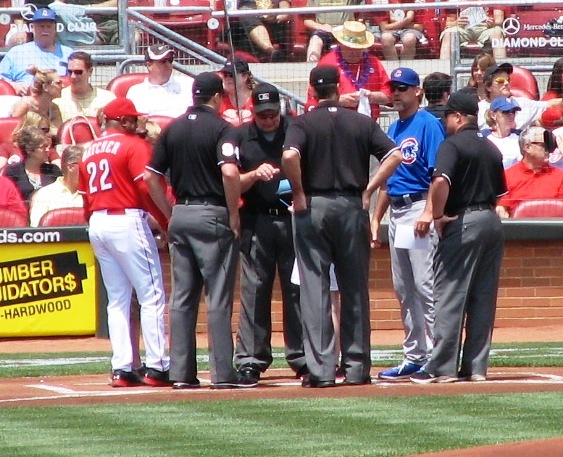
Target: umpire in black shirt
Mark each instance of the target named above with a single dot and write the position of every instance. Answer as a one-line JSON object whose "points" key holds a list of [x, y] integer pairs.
{"points": [[326, 158], [467, 181], [266, 240], [200, 151]]}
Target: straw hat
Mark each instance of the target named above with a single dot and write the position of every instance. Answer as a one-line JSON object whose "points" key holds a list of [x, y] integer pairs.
{"points": [[353, 34]]}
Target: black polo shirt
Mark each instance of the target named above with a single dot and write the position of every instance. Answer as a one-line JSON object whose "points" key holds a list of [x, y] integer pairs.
{"points": [[473, 167], [255, 149], [335, 144], [194, 147]]}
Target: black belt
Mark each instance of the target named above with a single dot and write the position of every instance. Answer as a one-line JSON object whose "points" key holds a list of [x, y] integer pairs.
{"points": [[477, 207], [215, 201], [274, 212], [335, 193], [407, 199]]}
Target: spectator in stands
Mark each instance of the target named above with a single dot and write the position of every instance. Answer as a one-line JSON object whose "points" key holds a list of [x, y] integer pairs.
{"points": [[45, 87], [497, 84], [43, 51], [263, 31], [35, 171], [402, 26], [9, 151], [80, 97], [363, 77], [480, 24], [161, 93], [236, 107], [437, 87], [501, 119], [475, 85], [63, 192], [321, 26], [10, 197], [533, 178], [555, 82]]}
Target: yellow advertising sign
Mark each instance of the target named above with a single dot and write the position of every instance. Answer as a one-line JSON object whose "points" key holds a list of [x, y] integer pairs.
{"points": [[47, 289]]}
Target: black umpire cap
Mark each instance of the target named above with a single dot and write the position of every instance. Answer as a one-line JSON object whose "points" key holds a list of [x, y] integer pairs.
{"points": [[265, 97], [323, 75], [207, 84], [460, 102]]}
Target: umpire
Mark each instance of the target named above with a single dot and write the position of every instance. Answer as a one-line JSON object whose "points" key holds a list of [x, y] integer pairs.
{"points": [[467, 181], [326, 158], [266, 240], [203, 233]]}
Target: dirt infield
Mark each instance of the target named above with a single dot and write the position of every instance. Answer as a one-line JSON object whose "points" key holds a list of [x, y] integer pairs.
{"points": [[70, 390]]}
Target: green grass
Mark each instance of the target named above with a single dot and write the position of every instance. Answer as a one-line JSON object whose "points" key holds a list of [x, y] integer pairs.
{"points": [[387, 426], [61, 364]]}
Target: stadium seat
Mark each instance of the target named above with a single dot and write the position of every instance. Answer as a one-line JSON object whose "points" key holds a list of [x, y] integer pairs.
{"points": [[523, 83], [62, 217], [6, 104], [6, 88], [78, 130], [7, 126], [539, 208], [121, 84], [10, 219], [162, 121]]}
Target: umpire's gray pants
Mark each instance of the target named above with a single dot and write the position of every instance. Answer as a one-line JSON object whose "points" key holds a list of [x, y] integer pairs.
{"points": [[204, 253]]}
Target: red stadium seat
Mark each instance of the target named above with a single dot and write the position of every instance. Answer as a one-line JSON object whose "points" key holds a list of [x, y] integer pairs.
{"points": [[79, 130], [7, 126], [523, 83], [121, 84], [539, 208], [162, 121], [10, 219], [62, 217], [6, 88]]}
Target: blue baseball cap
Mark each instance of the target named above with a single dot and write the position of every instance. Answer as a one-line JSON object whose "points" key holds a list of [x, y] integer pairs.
{"points": [[403, 75], [504, 104], [44, 14]]}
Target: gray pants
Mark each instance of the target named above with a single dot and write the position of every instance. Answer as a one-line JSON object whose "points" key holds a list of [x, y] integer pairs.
{"points": [[334, 229], [467, 269], [413, 280], [267, 243], [204, 254]]}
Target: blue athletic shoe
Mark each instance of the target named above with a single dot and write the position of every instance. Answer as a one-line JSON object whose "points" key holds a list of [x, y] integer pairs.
{"points": [[403, 371]]}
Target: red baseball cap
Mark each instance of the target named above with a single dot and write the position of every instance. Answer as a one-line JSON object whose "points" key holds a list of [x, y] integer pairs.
{"points": [[120, 107]]}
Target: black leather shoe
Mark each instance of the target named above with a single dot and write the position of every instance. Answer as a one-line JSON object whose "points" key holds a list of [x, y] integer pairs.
{"points": [[313, 383], [365, 381], [181, 385], [251, 373]]}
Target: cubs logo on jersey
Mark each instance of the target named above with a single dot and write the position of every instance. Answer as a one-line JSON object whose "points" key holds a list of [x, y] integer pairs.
{"points": [[409, 149]]}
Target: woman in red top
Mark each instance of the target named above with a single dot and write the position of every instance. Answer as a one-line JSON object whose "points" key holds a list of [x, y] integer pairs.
{"points": [[362, 75], [239, 88]]}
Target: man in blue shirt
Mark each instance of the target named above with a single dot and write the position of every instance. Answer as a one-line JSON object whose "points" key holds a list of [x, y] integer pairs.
{"points": [[43, 52], [418, 134]]}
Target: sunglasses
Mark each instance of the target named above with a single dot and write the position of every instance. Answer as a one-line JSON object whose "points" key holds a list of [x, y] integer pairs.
{"points": [[267, 115], [540, 144], [399, 87], [75, 72], [502, 80], [46, 129], [163, 61], [58, 82], [509, 113]]}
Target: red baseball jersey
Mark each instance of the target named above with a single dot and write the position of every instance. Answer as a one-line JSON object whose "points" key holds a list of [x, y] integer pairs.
{"points": [[108, 171]]}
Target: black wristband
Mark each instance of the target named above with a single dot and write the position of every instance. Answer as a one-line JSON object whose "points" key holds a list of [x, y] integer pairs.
{"points": [[440, 217]]}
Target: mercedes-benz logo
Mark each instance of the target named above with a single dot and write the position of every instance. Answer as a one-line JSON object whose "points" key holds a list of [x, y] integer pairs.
{"points": [[28, 11], [511, 26]]}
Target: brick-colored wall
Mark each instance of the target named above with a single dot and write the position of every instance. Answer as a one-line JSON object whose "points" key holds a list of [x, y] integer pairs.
{"points": [[531, 288]]}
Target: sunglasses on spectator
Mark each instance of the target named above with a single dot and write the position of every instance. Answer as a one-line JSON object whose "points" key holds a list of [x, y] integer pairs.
{"points": [[58, 82], [46, 129], [540, 144], [502, 80], [167, 60], [400, 87], [75, 72]]}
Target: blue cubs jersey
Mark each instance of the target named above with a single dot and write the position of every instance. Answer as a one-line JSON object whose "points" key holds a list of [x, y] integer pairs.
{"points": [[418, 137]]}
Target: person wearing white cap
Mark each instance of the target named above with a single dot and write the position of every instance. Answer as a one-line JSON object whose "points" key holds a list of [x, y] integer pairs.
{"points": [[161, 93], [361, 73], [43, 52]]}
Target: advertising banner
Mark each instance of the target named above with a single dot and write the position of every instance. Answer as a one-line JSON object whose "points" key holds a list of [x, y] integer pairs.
{"points": [[47, 285]]}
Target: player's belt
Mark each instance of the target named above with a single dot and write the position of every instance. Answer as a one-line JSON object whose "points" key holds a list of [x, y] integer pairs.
{"points": [[274, 212], [407, 199], [214, 201]]}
